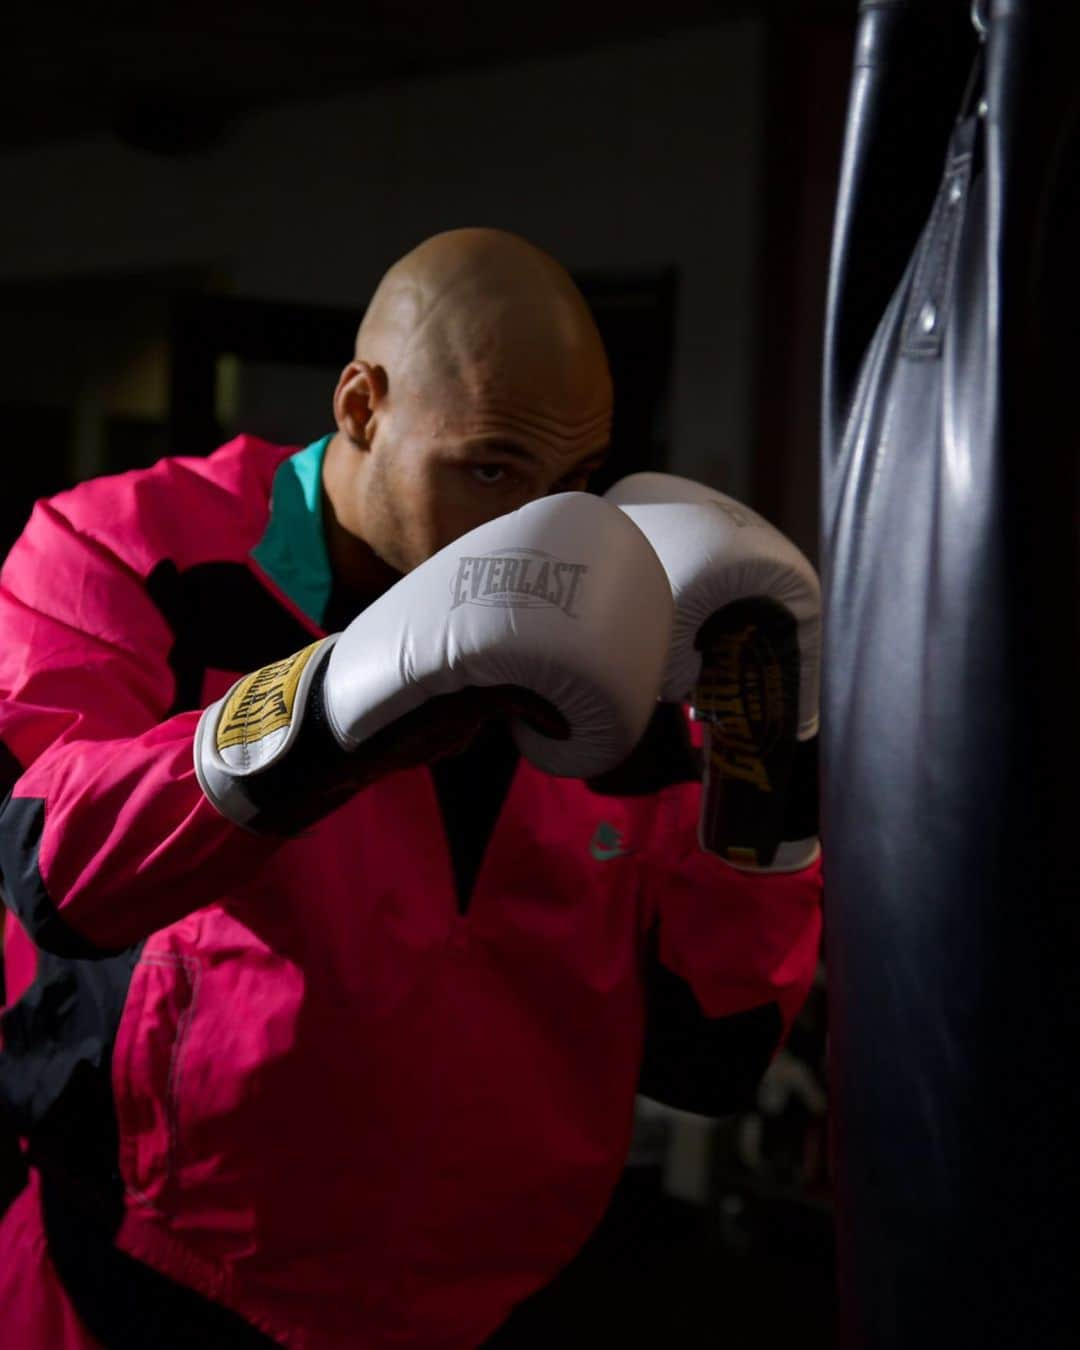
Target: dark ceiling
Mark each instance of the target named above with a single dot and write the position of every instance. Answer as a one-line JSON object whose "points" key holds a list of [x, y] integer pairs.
{"points": [[170, 76]]}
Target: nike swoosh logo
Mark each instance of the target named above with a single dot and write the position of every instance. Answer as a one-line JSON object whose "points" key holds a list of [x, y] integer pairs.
{"points": [[606, 843]]}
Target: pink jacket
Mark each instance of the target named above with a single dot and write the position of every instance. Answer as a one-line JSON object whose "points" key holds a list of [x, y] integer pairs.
{"points": [[315, 1091]]}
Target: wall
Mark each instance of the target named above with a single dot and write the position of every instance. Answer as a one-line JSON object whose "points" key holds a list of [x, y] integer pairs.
{"points": [[636, 157]]}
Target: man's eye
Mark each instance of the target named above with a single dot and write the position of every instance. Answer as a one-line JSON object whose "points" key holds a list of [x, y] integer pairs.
{"points": [[489, 473]]}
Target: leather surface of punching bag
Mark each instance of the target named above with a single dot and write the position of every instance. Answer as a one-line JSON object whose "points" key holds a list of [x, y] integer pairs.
{"points": [[951, 752]]}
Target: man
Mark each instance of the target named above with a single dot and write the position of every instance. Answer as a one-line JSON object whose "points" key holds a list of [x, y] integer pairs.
{"points": [[332, 960]]}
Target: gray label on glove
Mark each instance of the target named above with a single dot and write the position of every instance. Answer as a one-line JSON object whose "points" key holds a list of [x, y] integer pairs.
{"points": [[523, 578]]}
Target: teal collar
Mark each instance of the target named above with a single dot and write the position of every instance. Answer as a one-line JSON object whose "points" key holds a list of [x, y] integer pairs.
{"points": [[292, 551]]}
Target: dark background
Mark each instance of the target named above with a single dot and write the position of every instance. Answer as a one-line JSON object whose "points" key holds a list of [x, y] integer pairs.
{"points": [[198, 201]]}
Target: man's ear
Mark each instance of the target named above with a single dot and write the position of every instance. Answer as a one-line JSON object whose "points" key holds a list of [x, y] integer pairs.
{"points": [[359, 393]]}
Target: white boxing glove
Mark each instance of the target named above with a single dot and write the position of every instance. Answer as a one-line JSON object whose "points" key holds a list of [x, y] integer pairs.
{"points": [[563, 603], [746, 654]]}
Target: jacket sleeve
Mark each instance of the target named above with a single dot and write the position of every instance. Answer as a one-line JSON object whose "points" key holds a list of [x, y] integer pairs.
{"points": [[105, 835], [730, 959]]}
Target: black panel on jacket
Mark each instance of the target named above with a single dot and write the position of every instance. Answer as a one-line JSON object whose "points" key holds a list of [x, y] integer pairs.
{"points": [[223, 619], [472, 788], [12, 1168], [127, 1305], [56, 1071], [21, 822], [13, 1171], [10, 772], [58, 1038], [710, 1065]]}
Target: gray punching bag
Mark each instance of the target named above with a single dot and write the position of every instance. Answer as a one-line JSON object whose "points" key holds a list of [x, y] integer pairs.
{"points": [[951, 750]]}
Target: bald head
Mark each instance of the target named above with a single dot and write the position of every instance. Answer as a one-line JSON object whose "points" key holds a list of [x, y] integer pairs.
{"points": [[479, 382], [483, 314]]}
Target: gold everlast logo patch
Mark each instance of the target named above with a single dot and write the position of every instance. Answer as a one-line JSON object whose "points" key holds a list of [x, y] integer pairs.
{"points": [[746, 698], [263, 702], [519, 578]]}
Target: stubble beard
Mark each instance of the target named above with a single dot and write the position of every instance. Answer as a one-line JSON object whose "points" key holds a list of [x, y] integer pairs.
{"points": [[387, 534]]}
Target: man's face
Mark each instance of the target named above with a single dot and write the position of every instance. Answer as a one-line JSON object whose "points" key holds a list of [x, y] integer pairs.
{"points": [[442, 466]]}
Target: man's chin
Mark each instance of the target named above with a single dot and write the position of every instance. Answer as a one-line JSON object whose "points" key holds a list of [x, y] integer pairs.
{"points": [[404, 564], [392, 564]]}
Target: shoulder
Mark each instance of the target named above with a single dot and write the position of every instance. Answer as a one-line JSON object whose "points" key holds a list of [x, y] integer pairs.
{"points": [[187, 509]]}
